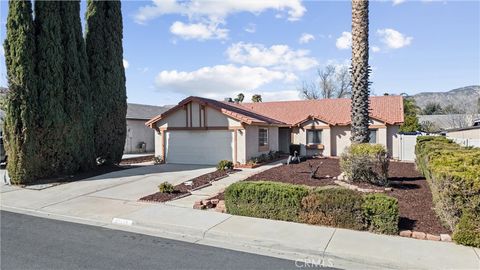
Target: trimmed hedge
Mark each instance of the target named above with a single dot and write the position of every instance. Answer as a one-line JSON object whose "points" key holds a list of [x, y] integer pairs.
{"points": [[380, 213], [265, 200], [453, 174], [364, 162], [328, 206], [335, 207], [467, 231]]}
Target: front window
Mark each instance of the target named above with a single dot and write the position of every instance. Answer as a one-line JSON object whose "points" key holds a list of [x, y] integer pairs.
{"points": [[314, 136], [262, 137], [373, 136]]}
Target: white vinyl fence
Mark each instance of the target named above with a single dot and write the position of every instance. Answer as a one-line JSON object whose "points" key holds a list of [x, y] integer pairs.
{"points": [[407, 147]]}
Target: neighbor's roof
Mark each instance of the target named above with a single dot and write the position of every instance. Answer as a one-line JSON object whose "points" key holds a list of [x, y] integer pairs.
{"points": [[144, 112], [388, 109]]}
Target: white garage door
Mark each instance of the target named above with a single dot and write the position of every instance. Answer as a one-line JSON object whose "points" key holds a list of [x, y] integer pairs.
{"points": [[199, 147]]}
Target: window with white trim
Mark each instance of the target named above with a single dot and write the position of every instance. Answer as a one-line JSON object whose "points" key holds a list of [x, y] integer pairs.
{"points": [[314, 136], [262, 137]]}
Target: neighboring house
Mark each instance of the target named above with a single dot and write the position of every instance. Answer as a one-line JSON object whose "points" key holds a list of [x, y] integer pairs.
{"points": [[205, 131], [468, 136], [139, 137]]}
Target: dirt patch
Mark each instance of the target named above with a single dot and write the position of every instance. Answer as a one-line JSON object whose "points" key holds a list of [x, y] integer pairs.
{"points": [[409, 187], [182, 190]]}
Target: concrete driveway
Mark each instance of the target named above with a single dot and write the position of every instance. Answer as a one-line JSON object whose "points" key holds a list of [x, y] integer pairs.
{"points": [[113, 193]]}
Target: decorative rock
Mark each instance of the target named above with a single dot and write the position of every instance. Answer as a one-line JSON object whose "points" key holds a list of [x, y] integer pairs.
{"points": [[341, 176], [206, 202], [406, 233], [198, 206], [419, 235], [433, 237], [388, 189], [214, 201], [327, 176], [445, 238]]}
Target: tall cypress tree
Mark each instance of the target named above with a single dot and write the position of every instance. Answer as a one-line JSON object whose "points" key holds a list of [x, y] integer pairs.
{"points": [[78, 136], [50, 82], [107, 75], [20, 125]]}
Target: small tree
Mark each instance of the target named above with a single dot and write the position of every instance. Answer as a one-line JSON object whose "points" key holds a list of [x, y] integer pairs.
{"points": [[432, 108], [256, 98], [333, 83], [410, 111]]}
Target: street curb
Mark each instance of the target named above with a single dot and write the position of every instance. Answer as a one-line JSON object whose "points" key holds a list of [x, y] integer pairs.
{"points": [[267, 246]]}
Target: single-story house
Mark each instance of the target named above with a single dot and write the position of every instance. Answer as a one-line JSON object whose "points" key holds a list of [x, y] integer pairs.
{"points": [[205, 131], [140, 138], [467, 136]]}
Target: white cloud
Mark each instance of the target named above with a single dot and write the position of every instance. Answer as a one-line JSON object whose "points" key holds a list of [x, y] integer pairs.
{"points": [[306, 38], [344, 41], [279, 57], [375, 49], [397, 2], [125, 64], [251, 28], [199, 31], [219, 81], [195, 9], [394, 39]]}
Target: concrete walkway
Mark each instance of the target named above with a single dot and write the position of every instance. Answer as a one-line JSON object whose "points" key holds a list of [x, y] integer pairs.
{"points": [[111, 201]]}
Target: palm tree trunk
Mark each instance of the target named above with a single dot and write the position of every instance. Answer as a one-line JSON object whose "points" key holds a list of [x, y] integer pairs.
{"points": [[360, 71]]}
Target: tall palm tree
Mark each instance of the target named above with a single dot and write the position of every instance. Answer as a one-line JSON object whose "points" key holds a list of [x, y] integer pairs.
{"points": [[360, 71]]}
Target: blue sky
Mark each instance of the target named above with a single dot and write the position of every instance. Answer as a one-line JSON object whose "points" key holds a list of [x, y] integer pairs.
{"points": [[217, 49]]}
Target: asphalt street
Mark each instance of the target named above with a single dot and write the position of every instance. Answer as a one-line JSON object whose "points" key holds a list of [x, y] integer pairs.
{"points": [[29, 242]]}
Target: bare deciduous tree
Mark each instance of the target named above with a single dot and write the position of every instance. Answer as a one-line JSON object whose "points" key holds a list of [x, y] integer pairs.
{"points": [[332, 83]]}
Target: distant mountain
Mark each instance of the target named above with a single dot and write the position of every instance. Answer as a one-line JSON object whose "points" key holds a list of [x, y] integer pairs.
{"points": [[462, 98]]}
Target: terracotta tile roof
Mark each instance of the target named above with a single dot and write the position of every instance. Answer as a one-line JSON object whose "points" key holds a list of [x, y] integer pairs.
{"points": [[388, 109]]}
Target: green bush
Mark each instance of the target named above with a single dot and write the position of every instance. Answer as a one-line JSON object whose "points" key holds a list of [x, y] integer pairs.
{"points": [[467, 231], [365, 162], [265, 200], [453, 174], [335, 207], [166, 187], [224, 165], [380, 213]]}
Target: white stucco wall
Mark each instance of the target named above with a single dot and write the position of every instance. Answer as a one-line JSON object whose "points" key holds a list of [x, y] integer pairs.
{"points": [[176, 119], [393, 141], [252, 141], [137, 132], [241, 146], [218, 119]]}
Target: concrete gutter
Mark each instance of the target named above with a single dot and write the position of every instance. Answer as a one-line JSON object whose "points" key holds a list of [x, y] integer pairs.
{"points": [[341, 248]]}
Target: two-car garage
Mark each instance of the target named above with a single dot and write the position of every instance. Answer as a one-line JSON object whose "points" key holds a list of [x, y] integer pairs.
{"points": [[198, 146]]}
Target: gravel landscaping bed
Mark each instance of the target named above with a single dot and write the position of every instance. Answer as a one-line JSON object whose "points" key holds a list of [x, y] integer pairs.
{"points": [[409, 187], [182, 190]]}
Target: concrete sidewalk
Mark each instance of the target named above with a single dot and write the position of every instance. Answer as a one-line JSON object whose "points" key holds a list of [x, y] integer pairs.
{"points": [[98, 203]]}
